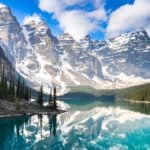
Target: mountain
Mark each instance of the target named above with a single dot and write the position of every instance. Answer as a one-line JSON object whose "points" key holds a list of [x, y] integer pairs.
{"points": [[40, 57], [12, 38], [128, 53]]}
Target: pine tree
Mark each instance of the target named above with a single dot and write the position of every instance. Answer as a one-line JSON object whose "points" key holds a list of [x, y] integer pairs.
{"points": [[1, 96], [54, 99], [30, 94], [145, 95], [26, 94], [11, 89], [22, 90], [50, 98], [40, 96], [5, 87], [18, 94], [3, 84]]}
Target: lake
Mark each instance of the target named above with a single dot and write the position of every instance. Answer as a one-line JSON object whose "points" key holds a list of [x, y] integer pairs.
{"points": [[87, 125]]}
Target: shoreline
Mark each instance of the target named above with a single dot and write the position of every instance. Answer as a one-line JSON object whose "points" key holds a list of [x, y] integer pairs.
{"points": [[141, 102], [8, 109], [10, 115]]}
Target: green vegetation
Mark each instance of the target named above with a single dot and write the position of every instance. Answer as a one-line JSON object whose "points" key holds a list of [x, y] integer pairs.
{"points": [[89, 92], [50, 98], [40, 96], [13, 87], [136, 93], [54, 99]]}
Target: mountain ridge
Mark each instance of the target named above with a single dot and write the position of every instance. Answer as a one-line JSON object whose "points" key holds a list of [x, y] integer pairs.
{"points": [[41, 57]]}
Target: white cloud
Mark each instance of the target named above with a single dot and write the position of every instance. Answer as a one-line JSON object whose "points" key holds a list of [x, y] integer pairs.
{"points": [[129, 17], [34, 17], [2, 5], [75, 21], [51, 6], [76, 24]]}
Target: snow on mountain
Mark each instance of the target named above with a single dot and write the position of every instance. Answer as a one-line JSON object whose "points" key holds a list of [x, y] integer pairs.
{"points": [[29, 19], [63, 62], [12, 38]]}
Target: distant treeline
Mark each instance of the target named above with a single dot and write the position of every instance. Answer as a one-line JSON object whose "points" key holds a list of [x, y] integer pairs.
{"points": [[82, 95], [136, 93], [89, 92]]}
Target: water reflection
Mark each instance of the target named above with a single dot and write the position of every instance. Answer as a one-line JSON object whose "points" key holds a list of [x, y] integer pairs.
{"points": [[86, 104], [53, 124], [138, 107], [11, 131], [91, 127], [26, 132]]}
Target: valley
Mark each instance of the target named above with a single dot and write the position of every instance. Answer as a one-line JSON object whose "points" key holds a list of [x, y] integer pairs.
{"points": [[74, 75]]}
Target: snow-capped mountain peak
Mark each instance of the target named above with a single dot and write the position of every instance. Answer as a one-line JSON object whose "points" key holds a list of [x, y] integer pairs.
{"points": [[32, 20], [66, 36], [41, 57], [12, 38]]}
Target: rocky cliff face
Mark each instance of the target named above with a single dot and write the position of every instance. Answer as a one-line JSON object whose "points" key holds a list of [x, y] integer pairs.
{"points": [[128, 53], [41, 40], [42, 58], [78, 57], [11, 36]]}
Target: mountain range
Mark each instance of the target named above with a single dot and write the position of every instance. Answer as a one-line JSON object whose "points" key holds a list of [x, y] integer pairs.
{"points": [[42, 58]]}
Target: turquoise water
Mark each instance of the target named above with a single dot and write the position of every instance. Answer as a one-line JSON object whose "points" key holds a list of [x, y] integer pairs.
{"points": [[91, 125]]}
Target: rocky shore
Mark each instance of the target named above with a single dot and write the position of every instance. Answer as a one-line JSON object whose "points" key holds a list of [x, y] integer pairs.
{"points": [[8, 109]]}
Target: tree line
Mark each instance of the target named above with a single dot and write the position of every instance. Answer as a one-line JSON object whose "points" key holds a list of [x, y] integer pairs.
{"points": [[12, 87], [140, 94]]}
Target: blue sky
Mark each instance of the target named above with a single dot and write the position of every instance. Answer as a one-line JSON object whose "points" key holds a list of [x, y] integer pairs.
{"points": [[84, 15]]}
